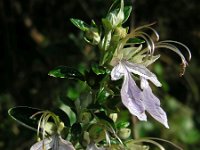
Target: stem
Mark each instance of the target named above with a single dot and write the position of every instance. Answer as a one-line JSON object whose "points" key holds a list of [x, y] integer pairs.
{"points": [[135, 133], [134, 120], [132, 18]]}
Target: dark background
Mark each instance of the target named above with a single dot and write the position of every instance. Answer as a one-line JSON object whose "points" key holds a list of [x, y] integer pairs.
{"points": [[36, 36]]}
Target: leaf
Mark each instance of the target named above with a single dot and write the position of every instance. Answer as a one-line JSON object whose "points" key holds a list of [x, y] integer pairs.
{"points": [[98, 69], [63, 116], [76, 131], [123, 124], [67, 101], [22, 115], [103, 94], [136, 41], [127, 13], [102, 115], [93, 80], [114, 18], [106, 23], [80, 24], [66, 72]]}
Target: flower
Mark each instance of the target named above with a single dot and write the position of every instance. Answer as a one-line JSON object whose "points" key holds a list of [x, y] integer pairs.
{"points": [[135, 99], [129, 58], [54, 142]]}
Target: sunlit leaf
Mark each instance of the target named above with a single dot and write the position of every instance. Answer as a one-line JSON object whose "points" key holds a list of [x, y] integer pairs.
{"points": [[127, 12], [123, 124], [102, 95], [136, 41], [66, 72], [67, 101], [98, 69], [80, 24]]}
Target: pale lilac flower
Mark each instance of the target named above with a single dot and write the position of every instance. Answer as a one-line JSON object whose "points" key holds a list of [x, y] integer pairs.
{"points": [[51, 132], [54, 142], [135, 99], [131, 59]]}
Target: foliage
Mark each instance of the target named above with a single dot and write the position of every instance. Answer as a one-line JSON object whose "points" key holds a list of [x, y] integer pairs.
{"points": [[91, 99]]}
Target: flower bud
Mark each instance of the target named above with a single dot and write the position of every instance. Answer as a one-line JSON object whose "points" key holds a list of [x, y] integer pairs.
{"points": [[124, 133], [113, 116], [85, 117], [50, 127], [86, 138], [60, 127], [92, 36], [97, 133], [119, 33]]}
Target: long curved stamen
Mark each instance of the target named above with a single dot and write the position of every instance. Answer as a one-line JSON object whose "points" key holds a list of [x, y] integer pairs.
{"points": [[181, 44], [167, 44], [40, 120], [138, 32], [147, 38], [144, 26]]}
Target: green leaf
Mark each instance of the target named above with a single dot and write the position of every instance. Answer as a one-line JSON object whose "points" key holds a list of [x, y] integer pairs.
{"points": [[103, 94], [67, 101], [127, 13], [63, 116], [98, 69], [22, 115], [106, 23], [76, 131], [66, 72], [123, 124], [93, 80], [114, 18], [102, 115], [80, 24], [136, 41]]}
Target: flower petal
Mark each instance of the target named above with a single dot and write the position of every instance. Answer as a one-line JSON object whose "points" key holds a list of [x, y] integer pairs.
{"points": [[46, 143], [63, 145], [117, 72], [152, 104], [142, 71], [131, 97]]}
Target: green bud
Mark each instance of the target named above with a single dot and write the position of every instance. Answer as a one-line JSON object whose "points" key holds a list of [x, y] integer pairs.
{"points": [[124, 133], [114, 18], [120, 32], [85, 117], [60, 127], [86, 138], [92, 36], [97, 133], [113, 116], [50, 127]]}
